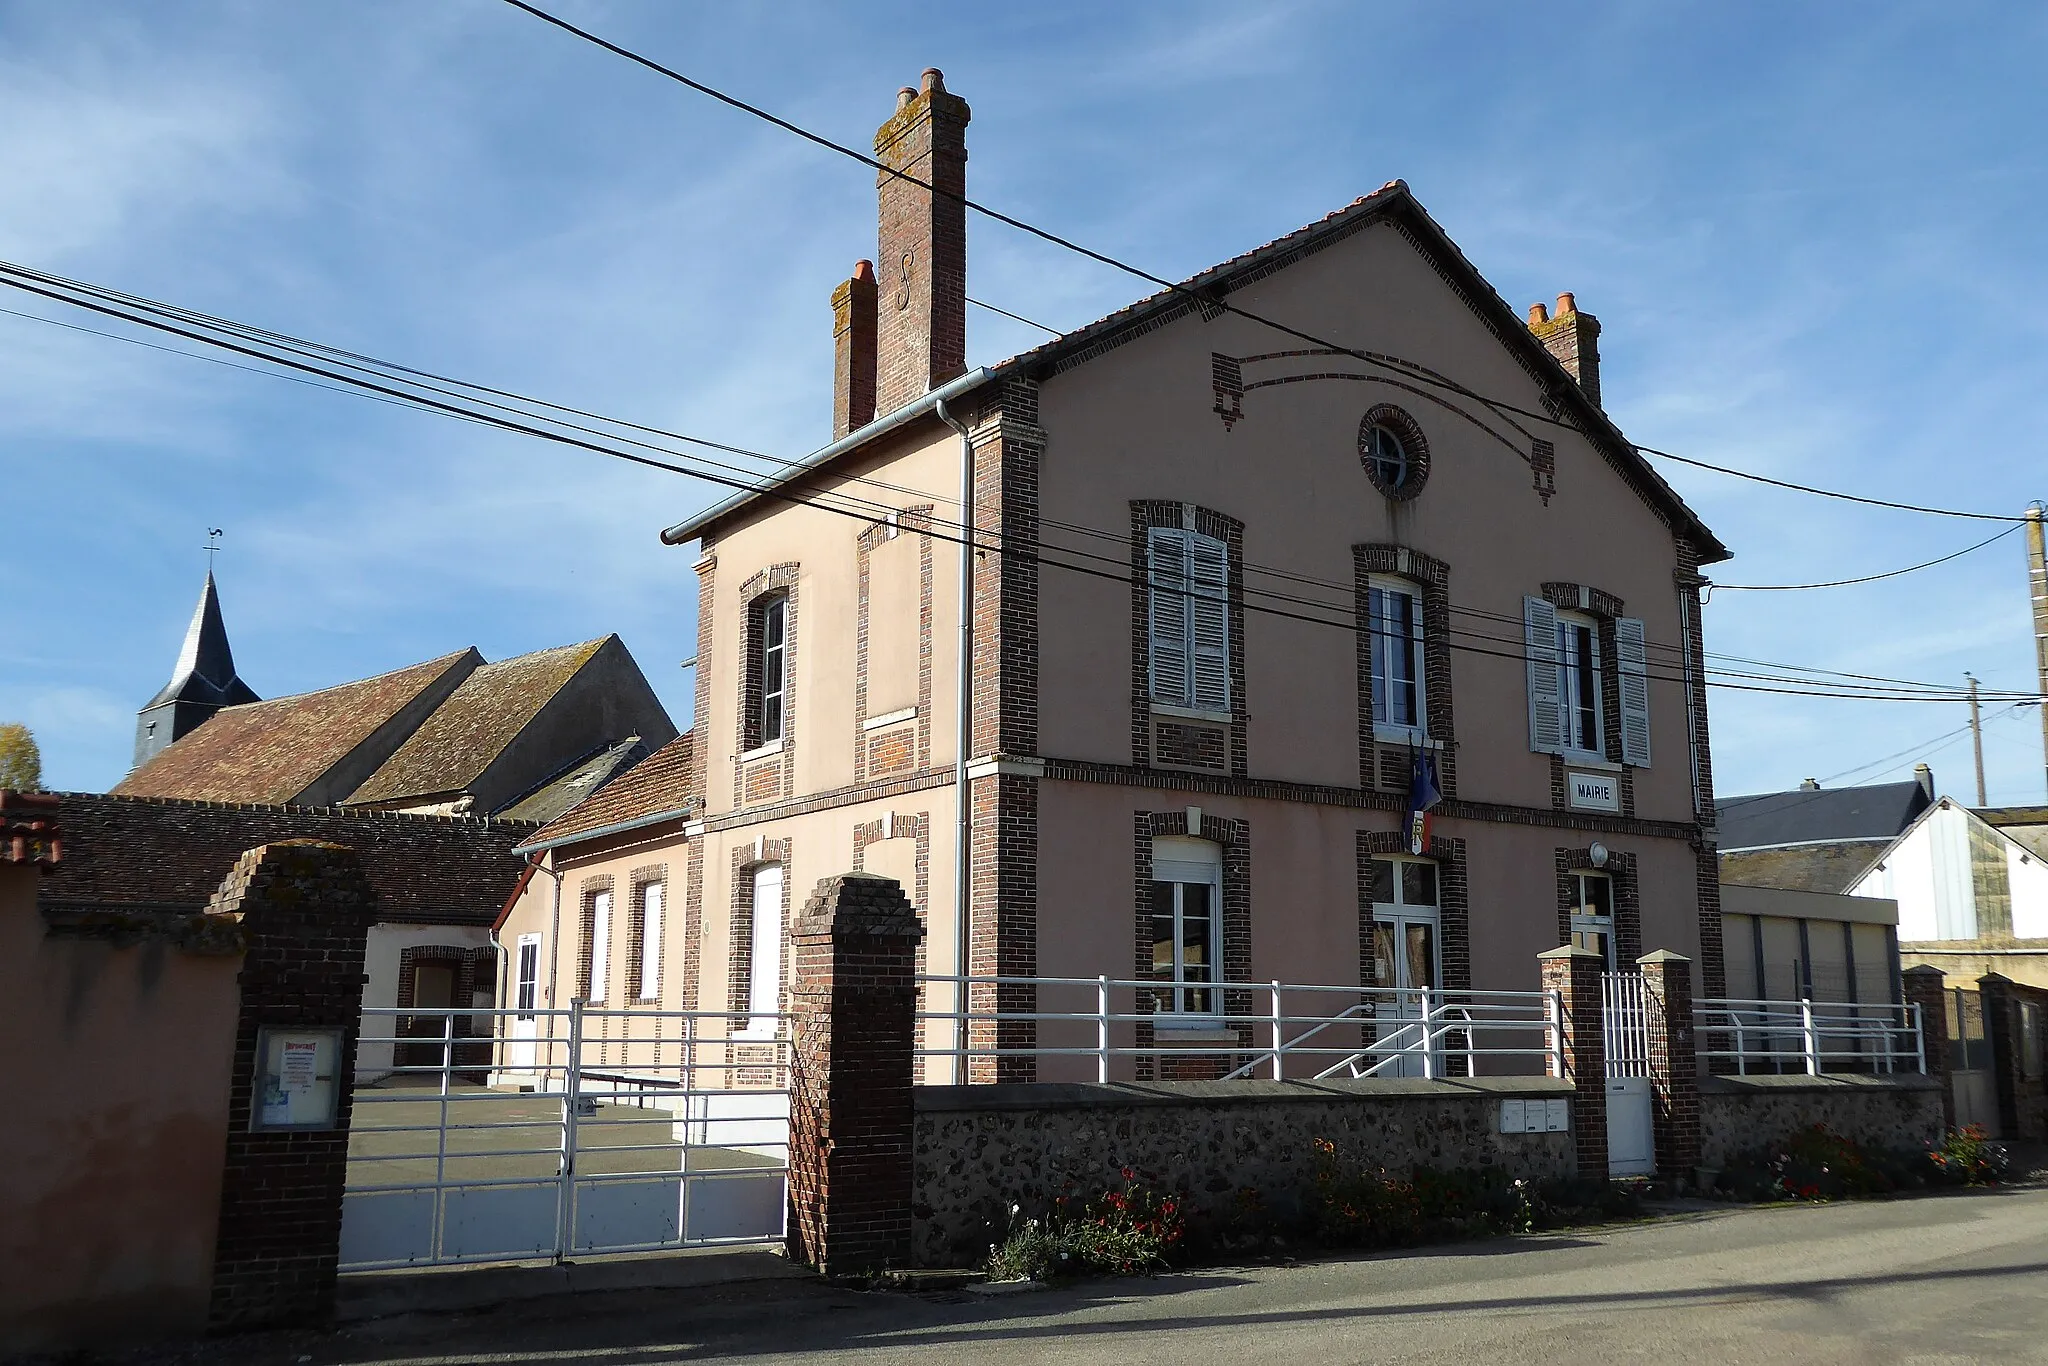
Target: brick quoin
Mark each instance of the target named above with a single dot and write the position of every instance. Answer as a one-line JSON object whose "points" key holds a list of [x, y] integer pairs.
{"points": [[853, 1032], [1574, 974], [1674, 1060], [305, 909]]}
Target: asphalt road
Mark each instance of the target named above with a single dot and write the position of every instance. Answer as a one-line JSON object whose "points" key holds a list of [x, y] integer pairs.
{"points": [[1942, 1279]]}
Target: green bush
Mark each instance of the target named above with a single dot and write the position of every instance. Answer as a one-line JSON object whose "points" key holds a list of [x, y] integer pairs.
{"points": [[1818, 1164]]}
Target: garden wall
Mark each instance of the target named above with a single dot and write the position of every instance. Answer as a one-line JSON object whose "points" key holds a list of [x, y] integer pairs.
{"points": [[1743, 1114], [977, 1148]]}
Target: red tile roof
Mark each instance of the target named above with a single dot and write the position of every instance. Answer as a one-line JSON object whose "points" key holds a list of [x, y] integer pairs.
{"points": [[270, 752], [657, 786], [476, 723]]}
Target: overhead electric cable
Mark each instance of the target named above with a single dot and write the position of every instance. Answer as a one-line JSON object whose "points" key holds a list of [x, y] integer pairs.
{"points": [[1867, 578], [1015, 317], [1831, 493]]}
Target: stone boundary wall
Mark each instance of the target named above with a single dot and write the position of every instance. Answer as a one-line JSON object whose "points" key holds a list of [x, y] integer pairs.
{"points": [[977, 1148], [1744, 1114]]}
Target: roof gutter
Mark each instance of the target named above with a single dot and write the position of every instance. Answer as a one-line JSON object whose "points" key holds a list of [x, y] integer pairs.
{"points": [[615, 828], [683, 532]]}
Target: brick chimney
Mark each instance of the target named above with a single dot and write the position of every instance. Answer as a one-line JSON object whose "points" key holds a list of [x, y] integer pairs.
{"points": [[1574, 338], [921, 335], [853, 351]]}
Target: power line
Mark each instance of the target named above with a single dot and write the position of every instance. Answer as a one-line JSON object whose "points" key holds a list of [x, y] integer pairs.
{"points": [[1825, 493], [1208, 302], [1015, 317], [1867, 578], [1906, 691]]}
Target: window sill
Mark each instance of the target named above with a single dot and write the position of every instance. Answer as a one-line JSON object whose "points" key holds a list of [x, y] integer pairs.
{"points": [[1191, 713], [889, 719], [762, 752], [1401, 735], [1580, 759]]}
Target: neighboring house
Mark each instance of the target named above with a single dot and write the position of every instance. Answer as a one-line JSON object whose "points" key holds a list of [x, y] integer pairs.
{"points": [[456, 735], [1816, 839], [440, 881], [1232, 585], [600, 915]]}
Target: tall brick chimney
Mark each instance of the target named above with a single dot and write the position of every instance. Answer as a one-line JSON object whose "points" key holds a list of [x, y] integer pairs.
{"points": [[1574, 338], [921, 336], [853, 351]]}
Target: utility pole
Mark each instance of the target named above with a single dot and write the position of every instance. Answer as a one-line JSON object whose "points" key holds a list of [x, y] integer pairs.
{"points": [[2037, 574], [1977, 740]]}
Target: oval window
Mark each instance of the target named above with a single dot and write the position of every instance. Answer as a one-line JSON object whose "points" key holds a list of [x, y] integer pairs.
{"points": [[1393, 452]]}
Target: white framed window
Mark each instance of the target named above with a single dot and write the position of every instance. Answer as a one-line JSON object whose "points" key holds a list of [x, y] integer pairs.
{"points": [[1593, 914], [1578, 684], [1407, 915], [771, 670], [1186, 923], [1188, 575], [600, 944], [1566, 675], [1394, 626], [764, 964], [652, 895], [526, 975]]}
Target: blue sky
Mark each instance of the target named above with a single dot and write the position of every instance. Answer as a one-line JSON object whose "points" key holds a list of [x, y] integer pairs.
{"points": [[1812, 234]]}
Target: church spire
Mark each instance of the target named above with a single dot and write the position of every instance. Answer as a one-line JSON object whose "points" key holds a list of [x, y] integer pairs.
{"points": [[202, 681]]}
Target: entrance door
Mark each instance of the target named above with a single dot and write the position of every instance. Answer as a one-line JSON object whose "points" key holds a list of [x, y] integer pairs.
{"points": [[1405, 958], [521, 1054]]}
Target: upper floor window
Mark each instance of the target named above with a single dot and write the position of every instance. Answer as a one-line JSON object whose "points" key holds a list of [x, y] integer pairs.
{"points": [[770, 669], [1188, 575], [1569, 655], [1394, 622], [1578, 683], [1392, 449]]}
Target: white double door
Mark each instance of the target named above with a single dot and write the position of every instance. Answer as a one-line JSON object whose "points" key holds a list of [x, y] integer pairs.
{"points": [[1406, 960]]}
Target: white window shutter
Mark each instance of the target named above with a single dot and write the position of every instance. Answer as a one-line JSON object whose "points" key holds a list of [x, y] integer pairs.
{"points": [[1167, 559], [1539, 642], [1632, 668], [1209, 633]]}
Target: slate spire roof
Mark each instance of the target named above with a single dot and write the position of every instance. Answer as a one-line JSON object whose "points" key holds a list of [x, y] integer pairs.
{"points": [[205, 671]]}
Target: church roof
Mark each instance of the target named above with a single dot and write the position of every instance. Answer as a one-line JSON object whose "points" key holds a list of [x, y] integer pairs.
{"points": [[205, 671], [271, 752], [474, 726]]}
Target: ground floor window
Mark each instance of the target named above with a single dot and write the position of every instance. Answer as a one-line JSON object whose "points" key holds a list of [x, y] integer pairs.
{"points": [[526, 975], [1406, 918], [1593, 915], [1187, 899], [764, 981]]}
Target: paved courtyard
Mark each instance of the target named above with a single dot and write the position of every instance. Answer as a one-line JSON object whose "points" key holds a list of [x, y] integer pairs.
{"points": [[1937, 1279]]}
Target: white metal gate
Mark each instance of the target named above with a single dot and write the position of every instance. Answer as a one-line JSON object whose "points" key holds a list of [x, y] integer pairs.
{"points": [[1625, 1007], [510, 1135]]}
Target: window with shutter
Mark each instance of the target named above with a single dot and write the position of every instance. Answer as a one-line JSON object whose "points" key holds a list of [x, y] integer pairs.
{"points": [[1167, 555], [1209, 622], [1539, 637], [1632, 669]]}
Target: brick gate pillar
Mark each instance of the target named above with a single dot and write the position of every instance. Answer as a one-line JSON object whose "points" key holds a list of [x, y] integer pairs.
{"points": [[1574, 973], [853, 1002], [2002, 1035], [1674, 1060], [305, 909], [1927, 988]]}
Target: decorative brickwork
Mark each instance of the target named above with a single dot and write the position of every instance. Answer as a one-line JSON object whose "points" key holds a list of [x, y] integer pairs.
{"points": [[740, 926], [854, 1029], [1413, 444], [2010, 1012], [1926, 988], [1389, 764], [1235, 934], [1008, 447], [1628, 902], [1190, 744], [1575, 975], [1146, 514], [1543, 469], [907, 745], [1577, 597], [700, 727], [773, 775], [1674, 1061], [306, 909]]}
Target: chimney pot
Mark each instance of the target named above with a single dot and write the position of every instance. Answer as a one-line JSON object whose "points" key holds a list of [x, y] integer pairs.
{"points": [[1538, 314], [863, 270], [934, 80], [1566, 304], [1810, 785], [1574, 338], [904, 97]]}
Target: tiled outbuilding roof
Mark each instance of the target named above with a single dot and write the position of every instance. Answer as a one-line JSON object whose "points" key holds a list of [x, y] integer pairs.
{"points": [[161, 854], [557, 795], [656, 788], [272, 751], [476, 723]]}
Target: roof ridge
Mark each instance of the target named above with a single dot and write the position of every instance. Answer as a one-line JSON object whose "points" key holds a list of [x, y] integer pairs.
{"points": [[367, 678]]}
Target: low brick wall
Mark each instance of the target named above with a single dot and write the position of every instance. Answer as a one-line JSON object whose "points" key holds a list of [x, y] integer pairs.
{"points": [[1744, 1114], [979, 1147]]}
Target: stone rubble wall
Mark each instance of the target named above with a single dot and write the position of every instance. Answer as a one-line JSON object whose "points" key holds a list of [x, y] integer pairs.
{"points": [[1746, 1114], [979, 1148]]}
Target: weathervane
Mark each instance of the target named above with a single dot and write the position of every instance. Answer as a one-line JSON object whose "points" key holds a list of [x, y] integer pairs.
{"points": [[212, 546]]}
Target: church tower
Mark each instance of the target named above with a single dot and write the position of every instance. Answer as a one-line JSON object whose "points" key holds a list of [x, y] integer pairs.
{"points": [[202, 682]]}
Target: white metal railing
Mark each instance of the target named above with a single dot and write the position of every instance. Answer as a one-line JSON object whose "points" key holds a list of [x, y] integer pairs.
{"points": [[1260, 1027], [1814, 1037], [1625, 1023], [504, 1134]]}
